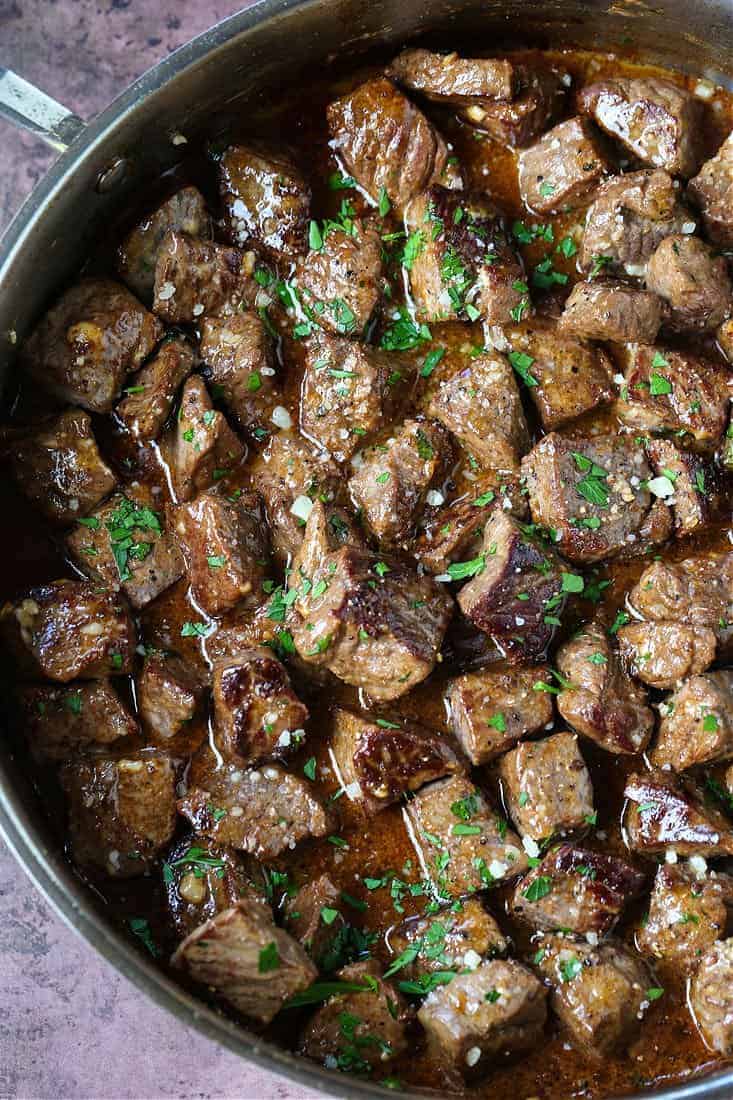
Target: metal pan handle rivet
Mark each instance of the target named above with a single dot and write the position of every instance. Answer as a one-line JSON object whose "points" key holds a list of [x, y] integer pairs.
{"points": [[112, 175]]}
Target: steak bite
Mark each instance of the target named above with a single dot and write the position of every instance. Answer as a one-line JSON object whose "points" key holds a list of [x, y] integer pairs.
{"points": [[454, 938], [59, 468], [376, 762], [149, 401], [464, 843], [256, 712], [687, 914], [201, 880], [537, 101], [694, 592], [266, 201], [340, 283], [203, 447], [185, 212], [664, 812], [168, 693], [391, 483], [695, 484], [711, 998], [240, 358], [600, 700], [195, 277], [657, 121], [497, 1011], [387, 144], [546, 786], [662, 654], [693, 281], [712, 191], [312, 917], [456, 81], [122, 811], [69, 630], [697, 723], [593, 492], [516, 586], [491, 709], [246, 960], [560, 170], [629, 217], [58, 722], [576, 889], [453, 531], [85, 346], [611, 311]]}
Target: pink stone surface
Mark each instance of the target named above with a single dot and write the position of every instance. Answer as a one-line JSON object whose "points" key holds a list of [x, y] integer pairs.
{"points": [[71, 1028]]}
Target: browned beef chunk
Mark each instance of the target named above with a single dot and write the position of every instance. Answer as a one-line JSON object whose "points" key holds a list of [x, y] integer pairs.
{"points": [[657, 121], [662, 654], [184, 212], [456, 937], [560, 170], [693, 485], [665, 812], [69, 630], [377, 761], [454, 531], [350, 391], [694, 592], [150, 399], [697, 723], [724, 338], [599, 994], [611, 311], [224, 543], [576, 889], [464, 842], [312, 917], [394, 478], [266, 200], [246, 960], [482, 407], [593, 492], [60, 470], [688, 912], [711, 998], [195, 277], [515, 588], [458, 81], [677, 392], [122, 811], [125, 545], [88, 342], [463, 266], [168, 694], [256, 711], [546, 786], [340, 283], [693, 281], [360, 1030], [387, 144], [496, 1011], [204, 447], [537, 101], [60, 721], [201, 880], [240, 358], [372, 621], [711, 191], [565, 377], [630, 216], [491, 709], [601, 701], [264, 811]]}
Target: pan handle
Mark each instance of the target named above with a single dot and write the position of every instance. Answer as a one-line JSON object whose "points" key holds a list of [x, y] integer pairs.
{"points": [[27, 106]]}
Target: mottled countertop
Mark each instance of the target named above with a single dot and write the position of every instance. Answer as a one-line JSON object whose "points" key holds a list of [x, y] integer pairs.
{"points": [[71, 1028]]}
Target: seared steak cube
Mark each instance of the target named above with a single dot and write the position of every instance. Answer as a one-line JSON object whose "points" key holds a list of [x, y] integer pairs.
{"points": [[664, 813], [577, 890], [256, 712], [122, 811], [464, 841], [185, 212], [537, 101], [458, 81], [481, 405], [711, 998], [240, 358], [391, 483], [694, 592], [496, 1011], [662, 654], [60, 470], [150, 399], [60, 721], [611, 311], [246, 960], [195, 277], [491, 709], [629, 217], [695, 485], [515, 589], [658, 122], [693, 281], [70, 630], [546, 786], [456, 937], [593, 492], [711, 189], [201, 880], [386, 143], [687, 914], [168, 694], [342, 279], [204, 447], [378, 761], [560, 170], [697, 723], [598, 698], [312, 917], [266, 200]]}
